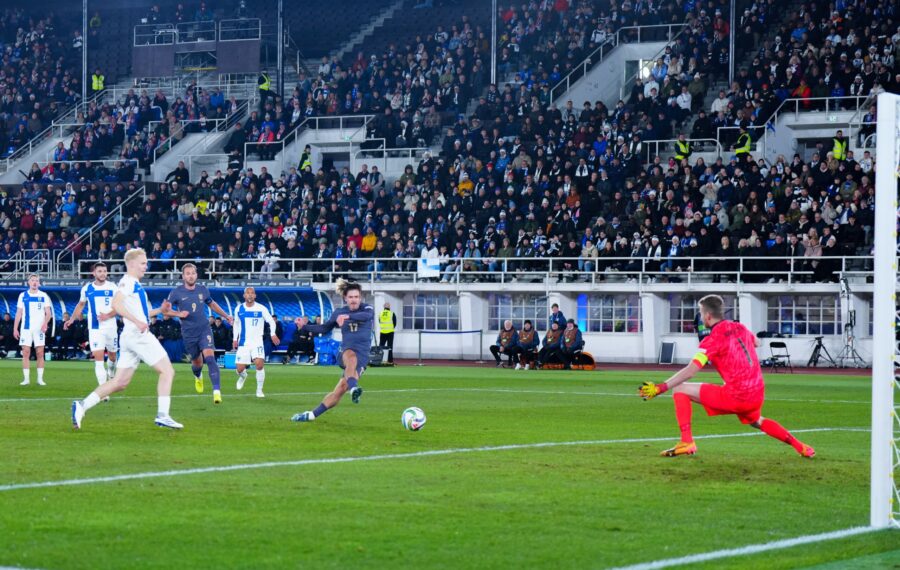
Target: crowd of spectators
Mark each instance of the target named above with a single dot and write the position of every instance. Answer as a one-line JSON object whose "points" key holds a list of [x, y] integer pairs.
{"points": [[40, 72]]}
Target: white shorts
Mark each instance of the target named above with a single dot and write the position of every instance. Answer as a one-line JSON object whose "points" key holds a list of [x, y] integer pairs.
{"points": [[247, 354], [100, 339], [29, 337], [136, 347]]}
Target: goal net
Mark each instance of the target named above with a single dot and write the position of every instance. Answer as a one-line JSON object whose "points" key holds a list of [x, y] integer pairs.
{"points": [[885, 476]]}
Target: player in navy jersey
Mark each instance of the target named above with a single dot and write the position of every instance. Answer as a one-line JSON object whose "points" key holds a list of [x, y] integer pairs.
{"points": [[356, 321], [188, 302]]}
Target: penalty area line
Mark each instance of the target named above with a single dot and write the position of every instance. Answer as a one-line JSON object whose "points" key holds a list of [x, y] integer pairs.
{"points": [[751, 549], [381, 457]]}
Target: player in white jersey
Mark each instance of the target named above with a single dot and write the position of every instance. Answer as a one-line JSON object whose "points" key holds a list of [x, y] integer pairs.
{"points": [[33, 314], [103, 334], [137, 344], [250, 318]]}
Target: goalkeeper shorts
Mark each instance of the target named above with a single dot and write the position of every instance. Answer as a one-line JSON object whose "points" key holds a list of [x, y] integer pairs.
{"points": [[719, 402]]}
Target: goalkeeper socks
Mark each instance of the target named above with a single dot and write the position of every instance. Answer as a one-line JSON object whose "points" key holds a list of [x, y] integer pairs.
{"points": [[320, 409], [683, 412], [213, 367], [776, 430], [197, 370], [100, 372]]}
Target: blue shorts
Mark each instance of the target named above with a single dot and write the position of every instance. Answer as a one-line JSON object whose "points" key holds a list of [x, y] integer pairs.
{"points": [[362, 360], [194, 346]]}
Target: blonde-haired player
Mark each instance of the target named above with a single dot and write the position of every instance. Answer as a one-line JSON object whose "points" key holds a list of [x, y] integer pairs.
{"points": [[250, 318], [103, 334], [33, 313], [136, 345]]}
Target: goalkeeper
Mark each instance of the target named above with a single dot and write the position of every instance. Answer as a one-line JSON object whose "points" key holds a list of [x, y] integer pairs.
{"points": [[731, 347]]}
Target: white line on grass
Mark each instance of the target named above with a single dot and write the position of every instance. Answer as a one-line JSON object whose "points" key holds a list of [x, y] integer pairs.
{"points": [[352, 459], [401, 390], [750, 549]]}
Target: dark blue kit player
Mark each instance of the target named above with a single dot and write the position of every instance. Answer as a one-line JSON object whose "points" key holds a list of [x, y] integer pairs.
{"points": [[356, 321]]}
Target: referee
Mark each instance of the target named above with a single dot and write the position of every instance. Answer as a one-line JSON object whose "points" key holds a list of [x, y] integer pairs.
{"points": [[387, 322]]}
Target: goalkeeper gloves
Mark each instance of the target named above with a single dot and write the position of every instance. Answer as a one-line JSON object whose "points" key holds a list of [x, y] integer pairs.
{"points": [[650, 390]]}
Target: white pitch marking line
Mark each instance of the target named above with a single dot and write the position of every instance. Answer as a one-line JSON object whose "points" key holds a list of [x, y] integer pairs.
{"points": [[401, 390], [352, 459], [751, 549]]}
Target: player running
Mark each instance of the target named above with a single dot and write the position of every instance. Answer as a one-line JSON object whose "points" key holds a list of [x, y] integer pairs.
{"points": [[190, 299], [33, 313], [250, 319], [356, 321], [103, 334], [732, 348], [130, 302]]}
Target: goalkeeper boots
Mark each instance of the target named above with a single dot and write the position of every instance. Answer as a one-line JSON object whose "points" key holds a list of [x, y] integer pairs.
{"points": [[681, 448], [807, 451]]}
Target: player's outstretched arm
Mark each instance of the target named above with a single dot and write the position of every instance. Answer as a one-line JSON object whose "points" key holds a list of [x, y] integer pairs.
{"points": [[650, 390], [221, 312], [362, 315], [76, 314], [325, 327]]}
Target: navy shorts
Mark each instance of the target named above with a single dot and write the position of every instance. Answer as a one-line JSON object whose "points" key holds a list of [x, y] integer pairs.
{"points": [[362, 360], [194, 346]]}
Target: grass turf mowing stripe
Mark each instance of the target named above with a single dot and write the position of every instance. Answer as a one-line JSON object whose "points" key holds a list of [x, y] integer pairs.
{"points": [[330, 460], [401, 390], [751, 549]]}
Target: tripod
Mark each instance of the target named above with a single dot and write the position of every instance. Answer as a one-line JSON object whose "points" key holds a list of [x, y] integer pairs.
{"points": [[849, 353], [820, 352]]}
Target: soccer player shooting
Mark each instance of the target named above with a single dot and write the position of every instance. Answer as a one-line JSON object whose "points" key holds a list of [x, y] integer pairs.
{"points": [[731, 347], [356, 321]]}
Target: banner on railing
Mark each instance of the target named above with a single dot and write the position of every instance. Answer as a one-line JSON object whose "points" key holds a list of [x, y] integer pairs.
{"points": [[429, 268]]}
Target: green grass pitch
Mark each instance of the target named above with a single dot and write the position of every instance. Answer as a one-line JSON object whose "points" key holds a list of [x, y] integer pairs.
{"points": [[593, 505]]}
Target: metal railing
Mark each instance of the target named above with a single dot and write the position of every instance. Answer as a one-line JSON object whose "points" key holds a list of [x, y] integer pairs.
{"points": [[192, 32], [241, 29], [276, 148], [116, 217], [627, 34], [216, 125], [25, 150], [380, 156], [639, 74], [154, 34], [637, 271], [655, 147], [111, 164], [25, 262]]}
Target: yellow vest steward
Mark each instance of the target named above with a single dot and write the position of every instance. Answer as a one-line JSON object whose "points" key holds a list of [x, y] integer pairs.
{"points": [[386, 322], [743, 144], [97, 82], [840, 149], [684, 150], [267, 84]]}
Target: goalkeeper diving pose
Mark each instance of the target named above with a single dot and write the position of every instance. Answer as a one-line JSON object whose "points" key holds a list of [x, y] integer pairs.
{"points": [[356, 321], [732, 348]]}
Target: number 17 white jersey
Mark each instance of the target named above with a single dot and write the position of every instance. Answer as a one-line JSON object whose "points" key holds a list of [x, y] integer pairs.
{"points": [[249, 323]]}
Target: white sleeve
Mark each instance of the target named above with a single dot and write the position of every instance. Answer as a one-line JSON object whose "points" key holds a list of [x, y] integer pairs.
{"points": [[83, 297], [236, 328], [20, 304], [268, 318]]}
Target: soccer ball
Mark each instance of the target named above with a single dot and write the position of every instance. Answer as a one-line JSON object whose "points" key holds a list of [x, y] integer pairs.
{"points": [[413, 419]]}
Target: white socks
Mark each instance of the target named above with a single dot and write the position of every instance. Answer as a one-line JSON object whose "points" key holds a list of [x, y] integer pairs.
{"points": [[163, 405], [100, 372], [110, 369], [260, 380], [92, 400], [40, 375], [26, 374]]}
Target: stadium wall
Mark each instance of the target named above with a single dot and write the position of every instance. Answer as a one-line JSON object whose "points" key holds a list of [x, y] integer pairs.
{"points": [[643, 317]]}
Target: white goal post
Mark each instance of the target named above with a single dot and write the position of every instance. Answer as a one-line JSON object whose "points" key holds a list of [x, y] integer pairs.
{"points": [[885, 499]]}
